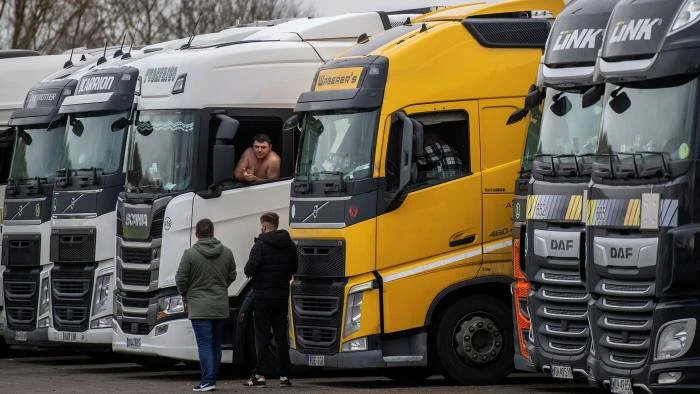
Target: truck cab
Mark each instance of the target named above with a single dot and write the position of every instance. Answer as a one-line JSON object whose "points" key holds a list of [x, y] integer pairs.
{"points": [[198, 111], [401, 201], [642, 222]]}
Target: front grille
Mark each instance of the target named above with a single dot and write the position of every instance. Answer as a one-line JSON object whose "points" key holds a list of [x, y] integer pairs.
{"points": [[71, 296], [316, 337], [317, 307], [624, 322], [73, 246], [21, 250], [70, 288], [70, 316], [135, 278], [21, 289], [135, 328], [136, 255], [321, 258]]}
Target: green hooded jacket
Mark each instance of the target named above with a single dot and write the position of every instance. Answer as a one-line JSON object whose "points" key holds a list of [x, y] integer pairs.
{"points": [[206, 271]]}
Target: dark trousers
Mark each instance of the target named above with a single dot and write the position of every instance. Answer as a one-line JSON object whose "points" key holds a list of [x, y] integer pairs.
{"points": [[271, 314], [209, 334]]}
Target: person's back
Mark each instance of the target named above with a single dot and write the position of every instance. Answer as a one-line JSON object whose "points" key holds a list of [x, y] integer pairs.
{"points": [[272, 262], [278, 252], [206, 271]]}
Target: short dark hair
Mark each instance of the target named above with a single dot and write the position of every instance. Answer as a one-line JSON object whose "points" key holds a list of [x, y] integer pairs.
{"points": [[262, 137], [205, 228], [271, 218]]}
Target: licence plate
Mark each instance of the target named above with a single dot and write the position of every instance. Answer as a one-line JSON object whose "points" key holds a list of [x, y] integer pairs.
{"points": [[133, 343], [562, 372], [621, 386], [70, 336], [314, 360], [21, 336]]}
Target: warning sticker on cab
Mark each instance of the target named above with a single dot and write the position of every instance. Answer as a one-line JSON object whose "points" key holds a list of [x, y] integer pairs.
{"points": [[338, 78]]}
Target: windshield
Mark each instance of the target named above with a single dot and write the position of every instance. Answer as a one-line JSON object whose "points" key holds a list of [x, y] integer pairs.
{"points": [[567, 127], [648, 122], [38, 152], [532, 139], [94, 141], [337, 144], [162, 150]]}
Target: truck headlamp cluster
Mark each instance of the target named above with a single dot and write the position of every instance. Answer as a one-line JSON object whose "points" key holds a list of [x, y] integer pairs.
{"points": [[689, 14], [102, 297], [171, 305], [674, 339], [45, 297], [353, 310]]}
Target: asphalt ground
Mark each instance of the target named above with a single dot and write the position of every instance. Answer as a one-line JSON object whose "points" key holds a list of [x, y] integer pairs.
{"points": [[53, 372]]}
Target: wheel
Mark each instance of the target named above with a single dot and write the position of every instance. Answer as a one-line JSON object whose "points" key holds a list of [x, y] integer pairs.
{"points": [[408, 374], [474, 341]]}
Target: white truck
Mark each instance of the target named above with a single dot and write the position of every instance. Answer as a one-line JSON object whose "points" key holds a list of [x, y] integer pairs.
{"points": [[90, 176], [198, 110]]}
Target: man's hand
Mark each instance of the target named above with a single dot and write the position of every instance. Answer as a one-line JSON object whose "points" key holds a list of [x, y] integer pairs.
{"points": [[249, 176]]}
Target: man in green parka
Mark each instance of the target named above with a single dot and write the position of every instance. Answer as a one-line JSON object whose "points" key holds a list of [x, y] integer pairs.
{"points": [[206, 271]]}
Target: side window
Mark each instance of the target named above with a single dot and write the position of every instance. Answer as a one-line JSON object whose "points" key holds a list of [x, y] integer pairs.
{"points": [[262, 150], [445, 154]]}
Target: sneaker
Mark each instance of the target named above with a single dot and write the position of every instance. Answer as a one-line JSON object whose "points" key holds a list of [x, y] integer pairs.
{"points": [[284, 382], [204, 387], [255, 381]]}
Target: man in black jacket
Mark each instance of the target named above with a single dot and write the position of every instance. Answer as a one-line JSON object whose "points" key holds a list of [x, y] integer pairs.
{"points": [[273, 260]]}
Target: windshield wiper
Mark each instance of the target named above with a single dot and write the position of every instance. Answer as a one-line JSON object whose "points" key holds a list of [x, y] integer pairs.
{"points": [[665, 165], [578, 170]]}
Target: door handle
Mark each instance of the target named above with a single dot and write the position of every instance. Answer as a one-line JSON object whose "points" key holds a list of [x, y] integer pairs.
{"points": [[463, 240]]}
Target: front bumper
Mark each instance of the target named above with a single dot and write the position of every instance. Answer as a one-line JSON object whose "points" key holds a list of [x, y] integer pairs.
{"points": [[600, 374], [344, 360], [37, 338], [689, 382], [178, 342], [101, 337], [544, 361]]}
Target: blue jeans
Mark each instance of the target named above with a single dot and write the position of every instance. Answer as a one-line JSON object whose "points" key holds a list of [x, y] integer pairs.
{"points": [[209, 334]]}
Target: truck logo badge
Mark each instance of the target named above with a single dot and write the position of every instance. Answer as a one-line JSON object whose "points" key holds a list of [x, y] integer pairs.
{"points": [[95, 84], [20, 211], [314, 213], [167, 223], [562, 244], [620, 253], [136, 219], [71, 205], [353, 212], [577, 39], [634, 30]]}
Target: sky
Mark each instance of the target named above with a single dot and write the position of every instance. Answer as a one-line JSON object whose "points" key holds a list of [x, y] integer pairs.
{"points": [[333, 7]]}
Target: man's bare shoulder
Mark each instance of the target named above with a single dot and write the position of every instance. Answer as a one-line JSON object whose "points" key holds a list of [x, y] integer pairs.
{"points": [[273, 158]]}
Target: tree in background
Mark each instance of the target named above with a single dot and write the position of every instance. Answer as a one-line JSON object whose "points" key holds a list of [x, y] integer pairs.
{"points": [[52, 26]]}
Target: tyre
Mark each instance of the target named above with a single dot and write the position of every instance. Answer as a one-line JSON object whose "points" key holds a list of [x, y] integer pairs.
{"points": [[474, 341], [408, 374]]}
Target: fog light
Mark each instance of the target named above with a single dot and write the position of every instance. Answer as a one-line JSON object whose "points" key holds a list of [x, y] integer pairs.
{"points": [[669, 377], [355, 345], [103, 322], [161, 329], [44, 323]]}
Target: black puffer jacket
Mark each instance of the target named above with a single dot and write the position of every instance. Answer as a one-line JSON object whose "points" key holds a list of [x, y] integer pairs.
{"points": [[272, 262]]}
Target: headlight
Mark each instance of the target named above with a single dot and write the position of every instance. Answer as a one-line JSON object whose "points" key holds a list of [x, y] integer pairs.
{"points": [[674, 339], [102, 298], [168, 306], [353, 311], [689, 13], [103, 322], [45, 295]]}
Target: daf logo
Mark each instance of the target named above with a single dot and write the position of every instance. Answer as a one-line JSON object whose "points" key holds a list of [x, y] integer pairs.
{"points": [[634, 30], [314, 213], [136, 219], [562, 244], [577, 39], [620, 253]]}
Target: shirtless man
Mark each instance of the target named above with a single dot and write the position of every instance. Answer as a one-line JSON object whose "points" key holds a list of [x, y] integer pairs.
{"points": [[259, 162]]}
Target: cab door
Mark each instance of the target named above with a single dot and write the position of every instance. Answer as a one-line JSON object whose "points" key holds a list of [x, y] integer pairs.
{"points": [[432, 238]]}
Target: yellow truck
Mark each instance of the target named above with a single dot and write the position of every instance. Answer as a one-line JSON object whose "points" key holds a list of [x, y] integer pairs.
{"points": [[401, 202]]}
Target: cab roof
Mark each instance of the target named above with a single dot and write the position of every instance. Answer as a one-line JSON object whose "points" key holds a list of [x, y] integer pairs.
{"points": [[479, 8]]}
